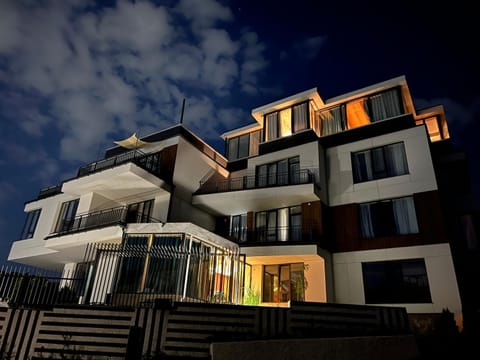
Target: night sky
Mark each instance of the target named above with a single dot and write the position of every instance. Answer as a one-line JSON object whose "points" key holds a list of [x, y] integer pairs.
{"points": [[77, 75]]}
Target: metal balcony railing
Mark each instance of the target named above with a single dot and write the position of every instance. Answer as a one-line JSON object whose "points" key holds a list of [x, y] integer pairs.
{"points": [[278, 234], [302, 176], [149, 162], [101, 218], [49, 191]]}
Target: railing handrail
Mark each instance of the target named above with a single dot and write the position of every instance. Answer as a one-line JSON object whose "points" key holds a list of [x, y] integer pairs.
{"points": [[118, 215], [287, 233], [110, 162], [255, 181]]}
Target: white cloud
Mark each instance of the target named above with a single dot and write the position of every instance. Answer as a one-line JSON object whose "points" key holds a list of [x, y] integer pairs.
{"points": [[309, 47], [46, 167], [92, 76], [9, 23], [254, 62], [205, 13]]}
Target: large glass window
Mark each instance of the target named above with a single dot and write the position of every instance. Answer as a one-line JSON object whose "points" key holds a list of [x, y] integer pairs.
{"points": [[139, 212], [396, 282], [244, 145], [360, 112], [151, 264], [30, 224], [283, 224], [282, 172], [282, 283], [388, 217], [178, 265], [286, 121], [67, 214], [380, 162], [239, 228]]}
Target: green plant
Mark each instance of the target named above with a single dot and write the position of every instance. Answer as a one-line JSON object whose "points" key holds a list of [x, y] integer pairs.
{"points": [[251, 297]]}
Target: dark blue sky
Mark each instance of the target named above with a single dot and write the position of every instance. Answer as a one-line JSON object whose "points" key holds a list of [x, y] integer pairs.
{"points": [[73, 79]]}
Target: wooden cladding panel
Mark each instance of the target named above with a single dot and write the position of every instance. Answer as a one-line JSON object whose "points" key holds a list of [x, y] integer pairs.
{"points": [[430, 220], [169, 155], [312, 224]]}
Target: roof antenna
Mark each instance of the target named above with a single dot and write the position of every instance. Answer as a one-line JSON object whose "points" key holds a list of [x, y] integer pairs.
{"points": [[183, 109]]}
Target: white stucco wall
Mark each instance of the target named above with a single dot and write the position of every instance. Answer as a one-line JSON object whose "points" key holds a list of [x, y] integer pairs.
{"points": [[348, 279], [421, 175]]}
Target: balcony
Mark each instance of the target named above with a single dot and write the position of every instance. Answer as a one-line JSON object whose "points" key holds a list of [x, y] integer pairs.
{"points": [[278, 235], [254, 192], [100, 219], [149, 162], [121, 176]]}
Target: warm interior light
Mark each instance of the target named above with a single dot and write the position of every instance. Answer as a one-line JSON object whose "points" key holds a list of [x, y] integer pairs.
{"points": [[286, 122], [356, 114]]}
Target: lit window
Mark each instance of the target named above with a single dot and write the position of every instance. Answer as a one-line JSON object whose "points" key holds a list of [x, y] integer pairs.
{"points": [[287, 121], [380, 162], [282, 283], [360, 112], [30, 224], [396, 282]]}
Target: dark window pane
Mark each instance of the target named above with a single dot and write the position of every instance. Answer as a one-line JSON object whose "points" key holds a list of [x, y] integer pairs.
{"points": [[30, 224], [396, 159], [67, 216], [243, 146], [233, 148], [382, 218], [396, 282], [379, 163], [388, 217], [283, 172], [272, 174]]}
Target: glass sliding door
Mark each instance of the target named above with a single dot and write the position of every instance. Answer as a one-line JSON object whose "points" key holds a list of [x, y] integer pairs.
{"points": [[283, 224], [300, 117]]}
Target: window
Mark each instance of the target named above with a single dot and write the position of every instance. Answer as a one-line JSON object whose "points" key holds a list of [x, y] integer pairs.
{"points": [[360, 112], [436, 127], [151, 264], [244, 145], [282, 283], [388, 217], [279, 225], [239, 228], [67, 216], [380, 162], [30, 224], [139, 212], [287, 121], [283, 172], [396, 282]]}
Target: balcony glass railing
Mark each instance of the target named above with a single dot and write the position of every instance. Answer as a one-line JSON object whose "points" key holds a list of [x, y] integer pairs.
{"points": [[302, 176]]}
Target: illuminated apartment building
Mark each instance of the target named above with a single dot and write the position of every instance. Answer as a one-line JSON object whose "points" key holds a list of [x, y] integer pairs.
{"points": [[317, 200]]}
